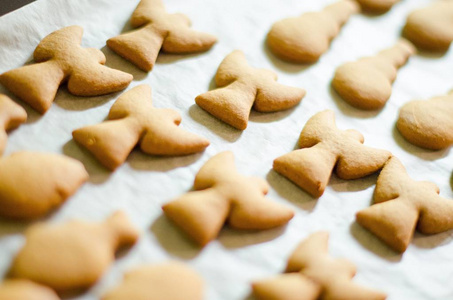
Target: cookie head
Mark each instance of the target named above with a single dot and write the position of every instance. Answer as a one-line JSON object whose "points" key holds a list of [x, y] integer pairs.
{"points": [[427, 123], [431, 28]]}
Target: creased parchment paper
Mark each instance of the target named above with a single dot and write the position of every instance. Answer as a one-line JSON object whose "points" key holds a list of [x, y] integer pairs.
{"points": [[144, 183]]}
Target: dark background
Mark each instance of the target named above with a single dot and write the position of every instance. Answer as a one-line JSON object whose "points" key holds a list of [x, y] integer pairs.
{"points": [[9, 5]]}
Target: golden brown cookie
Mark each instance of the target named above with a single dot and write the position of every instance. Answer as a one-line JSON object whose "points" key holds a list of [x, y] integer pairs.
{"points": [[305, 38], [431, 28], [11, 116], [312, 274], [170, 281], [242, 87], [25, 290], [403, 205], [223, 195], [133, 120], [376, 6], [428, 124], [158, 30], [59, 58], [32, 183], [367, 83], [73, 255], [325, 148]]}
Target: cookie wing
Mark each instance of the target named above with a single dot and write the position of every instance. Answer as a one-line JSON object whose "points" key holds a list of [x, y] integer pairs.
{"points": [[169, 139], [275, 97], [360, 161], [186, 40], [94, 79]]}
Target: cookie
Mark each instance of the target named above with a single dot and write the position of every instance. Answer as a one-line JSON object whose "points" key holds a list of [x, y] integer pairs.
{"points": [[11, 116], [25, 290], [430, 28], [367, 83], [223, 195], [403, 205], [158, 30], [74, 255], [312, 274], [170, 281], [242, 87], [60, 58], [305, 38], [325, 148], [428, 124], [377, 6], [32, 184], [133, 120]]}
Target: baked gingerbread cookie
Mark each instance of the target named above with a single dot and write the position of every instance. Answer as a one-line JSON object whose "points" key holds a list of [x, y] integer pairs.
{"points": [[403, 205], [169, 281], [11, 116], [74, 255], [367, 83], [325, 148], [222, 195], [133, 120], [312, 274], [19, 289], [158, 31], [431, 28], [32, 184], [377, 6], [59, 58], [305, 38], [428, 124], [242, 87]]}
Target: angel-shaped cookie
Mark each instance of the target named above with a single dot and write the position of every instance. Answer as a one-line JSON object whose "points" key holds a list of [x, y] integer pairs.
{"points": [[32, 184], [326, 148], [11, 116], [169, 281], [312, 274], [133, 120], [428, 124], [73, 255], [242, 87], [158, 30], [367, 83], [223, 195], [431, 28], [403, 205], [305, 38], [60, 58]]}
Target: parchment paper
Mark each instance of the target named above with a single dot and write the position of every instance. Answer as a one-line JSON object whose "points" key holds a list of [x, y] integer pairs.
{"points": [[144, 183]]}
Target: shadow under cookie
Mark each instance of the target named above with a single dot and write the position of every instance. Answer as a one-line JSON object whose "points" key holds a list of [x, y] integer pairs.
{"points": [[373, 244], [173, 239], [141, 161], [216, 126], [291, 192], [98, 173]]}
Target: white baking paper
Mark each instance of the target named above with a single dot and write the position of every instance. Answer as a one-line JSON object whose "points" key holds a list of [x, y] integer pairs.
{"points": [[144, 183]]}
